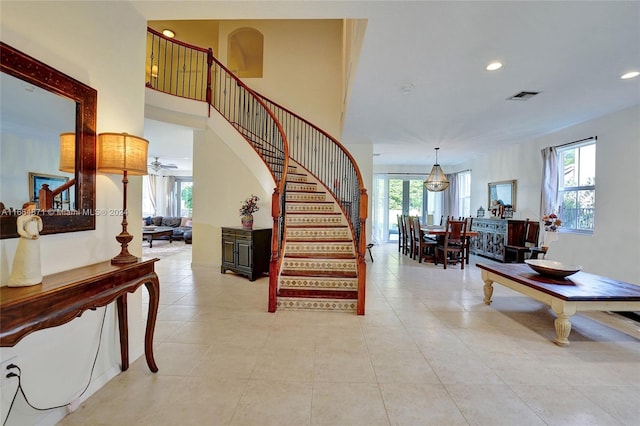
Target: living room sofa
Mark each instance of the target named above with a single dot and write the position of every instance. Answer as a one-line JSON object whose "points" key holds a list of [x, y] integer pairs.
{"points": [[181, 226]]}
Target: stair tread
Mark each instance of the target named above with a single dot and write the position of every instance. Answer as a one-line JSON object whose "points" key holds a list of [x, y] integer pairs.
{"points": [[318, 273], [322, 256], [318, 293]]}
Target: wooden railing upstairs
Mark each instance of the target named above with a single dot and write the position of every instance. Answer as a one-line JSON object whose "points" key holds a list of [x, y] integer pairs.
{"points": [[192, 72], [329, 161]]}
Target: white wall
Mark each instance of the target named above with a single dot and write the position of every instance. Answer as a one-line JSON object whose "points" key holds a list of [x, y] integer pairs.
{"points": [[612, 249], [90, 41]]}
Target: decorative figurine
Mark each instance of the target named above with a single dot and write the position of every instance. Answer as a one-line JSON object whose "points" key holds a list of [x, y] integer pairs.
{"points": [[497, 208], [27, 269]]}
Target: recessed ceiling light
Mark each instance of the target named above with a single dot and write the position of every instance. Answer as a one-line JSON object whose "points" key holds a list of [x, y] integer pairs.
{"points": [[494, 66], [630, 75], [407, 88], [168, 33]]}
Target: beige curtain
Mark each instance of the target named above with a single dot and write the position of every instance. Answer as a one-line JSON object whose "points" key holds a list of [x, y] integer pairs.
{"points": [[170, 195]]}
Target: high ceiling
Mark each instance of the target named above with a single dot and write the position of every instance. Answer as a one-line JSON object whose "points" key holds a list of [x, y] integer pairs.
{"points": [[572, 52]]}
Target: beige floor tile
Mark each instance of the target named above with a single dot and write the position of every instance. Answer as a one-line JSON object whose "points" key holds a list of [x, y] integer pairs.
{"points": [[403, 367], [420, 404], [347, 404], [563, 405], [427, 352], [493, 405], [273, 402]]}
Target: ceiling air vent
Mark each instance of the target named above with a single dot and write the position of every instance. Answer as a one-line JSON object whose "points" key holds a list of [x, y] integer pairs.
{"points": [[522, 96]]}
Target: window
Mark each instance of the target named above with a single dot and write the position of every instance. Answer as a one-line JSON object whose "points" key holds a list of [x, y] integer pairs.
{"points": [[464, 193], [577, 185], [184, 195]]}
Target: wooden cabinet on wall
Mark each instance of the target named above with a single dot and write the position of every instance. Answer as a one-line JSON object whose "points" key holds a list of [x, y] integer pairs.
{"points": [[492, 235], [246, 251]]}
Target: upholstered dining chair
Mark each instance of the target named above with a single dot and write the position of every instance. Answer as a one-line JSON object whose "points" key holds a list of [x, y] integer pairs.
{"points": [[453, 243]]}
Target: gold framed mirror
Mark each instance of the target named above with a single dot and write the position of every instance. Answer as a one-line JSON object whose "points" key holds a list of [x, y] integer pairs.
{"points": [[504, 191], [81, 217]]}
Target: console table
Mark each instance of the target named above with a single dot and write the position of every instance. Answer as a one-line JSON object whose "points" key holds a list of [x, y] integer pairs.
{"points": [[66, 295]]}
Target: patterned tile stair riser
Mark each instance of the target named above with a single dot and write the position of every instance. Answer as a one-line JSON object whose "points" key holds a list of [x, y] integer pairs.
{"points": [[319, 270]]}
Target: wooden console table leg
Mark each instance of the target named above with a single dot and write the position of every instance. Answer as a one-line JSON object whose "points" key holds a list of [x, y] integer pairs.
{"points": [[123, 325], [153, 287], [563, 322]]}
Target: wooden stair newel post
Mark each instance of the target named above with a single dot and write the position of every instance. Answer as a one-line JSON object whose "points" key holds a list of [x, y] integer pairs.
{"points": [[274, 264], [362, 244]]}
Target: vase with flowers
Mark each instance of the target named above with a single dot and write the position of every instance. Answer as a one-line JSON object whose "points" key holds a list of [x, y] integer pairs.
{"points": [[551, 222], [249, 206]]}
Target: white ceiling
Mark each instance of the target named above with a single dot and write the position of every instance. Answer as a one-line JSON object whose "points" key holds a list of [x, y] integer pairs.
{"points": [[573, 52]]}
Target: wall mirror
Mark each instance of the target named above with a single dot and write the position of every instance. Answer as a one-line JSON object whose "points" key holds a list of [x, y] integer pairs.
{"points": [[30, 139], [505, 190]]}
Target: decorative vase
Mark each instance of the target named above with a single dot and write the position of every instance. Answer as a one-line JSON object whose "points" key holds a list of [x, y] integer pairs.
{"points": [[247, 221]]}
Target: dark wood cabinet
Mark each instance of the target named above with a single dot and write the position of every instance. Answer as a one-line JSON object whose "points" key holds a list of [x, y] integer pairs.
{"points": [[246, 251]]}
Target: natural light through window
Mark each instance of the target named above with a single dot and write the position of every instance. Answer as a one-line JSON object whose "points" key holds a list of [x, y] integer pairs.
{"points": [[464, 194], [577, 190]]}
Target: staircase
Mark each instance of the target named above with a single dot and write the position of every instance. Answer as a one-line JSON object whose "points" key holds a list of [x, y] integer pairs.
{"points": [[319, 269], [319, 236]]}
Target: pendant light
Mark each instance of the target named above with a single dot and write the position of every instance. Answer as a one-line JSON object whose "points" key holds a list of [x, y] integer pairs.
{"points": [[436, 181]]}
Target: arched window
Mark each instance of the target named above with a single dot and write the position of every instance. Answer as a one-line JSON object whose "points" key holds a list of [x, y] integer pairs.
{"points": [[245, 52]]}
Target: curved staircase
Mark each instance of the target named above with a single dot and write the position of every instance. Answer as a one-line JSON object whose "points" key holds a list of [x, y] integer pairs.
{"points": [[319, 268]]}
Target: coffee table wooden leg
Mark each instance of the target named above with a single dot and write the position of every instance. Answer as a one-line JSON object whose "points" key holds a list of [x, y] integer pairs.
{"points": [[488, 291], [563, 322]]}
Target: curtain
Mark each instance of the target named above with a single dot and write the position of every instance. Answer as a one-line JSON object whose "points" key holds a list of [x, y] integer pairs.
{"points": [[150, 202], [170, 195], [451, 196], [549, 189]]}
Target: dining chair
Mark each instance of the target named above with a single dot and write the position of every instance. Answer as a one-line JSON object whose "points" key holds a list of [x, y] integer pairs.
{"points": [[467, 240], [453, 243], [401, 235], [516, 233], [531, 234], [414, 237], [406, 250], [425, 246]]}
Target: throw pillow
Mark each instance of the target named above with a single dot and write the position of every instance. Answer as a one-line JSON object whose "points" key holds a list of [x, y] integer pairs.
{"points": [[147, 221], [188, 223], [184, 220]]}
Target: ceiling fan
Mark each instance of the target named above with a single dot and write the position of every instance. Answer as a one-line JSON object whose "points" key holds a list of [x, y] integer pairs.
{"points": [[156, 165]]}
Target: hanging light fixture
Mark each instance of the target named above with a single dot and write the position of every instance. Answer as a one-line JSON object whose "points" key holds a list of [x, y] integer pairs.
{"points": [[436, 181]]}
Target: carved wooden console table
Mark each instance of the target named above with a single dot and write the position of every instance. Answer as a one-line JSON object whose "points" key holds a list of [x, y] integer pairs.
{"points": [[66, 295]]}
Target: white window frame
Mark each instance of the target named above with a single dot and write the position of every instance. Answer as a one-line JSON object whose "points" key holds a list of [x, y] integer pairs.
{"points": [[563, 190], [464, 193]]}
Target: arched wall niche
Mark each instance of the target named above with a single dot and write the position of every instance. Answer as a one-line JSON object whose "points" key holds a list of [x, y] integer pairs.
{"points": [[245, 52]]}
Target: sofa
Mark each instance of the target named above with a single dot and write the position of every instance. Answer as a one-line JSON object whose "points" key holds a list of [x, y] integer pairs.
{"points": [[181, 226]]}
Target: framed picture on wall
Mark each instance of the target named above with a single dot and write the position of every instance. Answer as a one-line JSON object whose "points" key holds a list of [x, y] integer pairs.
{"points": [[36, 180]]}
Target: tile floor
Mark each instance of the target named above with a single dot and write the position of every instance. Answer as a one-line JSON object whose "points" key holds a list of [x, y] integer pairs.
{"points": [[427, 352]]}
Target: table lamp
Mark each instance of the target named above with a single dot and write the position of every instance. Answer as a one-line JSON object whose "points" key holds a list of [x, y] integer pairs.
{"points": [[121, 153]]}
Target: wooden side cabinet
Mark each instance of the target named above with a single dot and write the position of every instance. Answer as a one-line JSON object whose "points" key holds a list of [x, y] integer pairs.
{"points": [[246, 251]]}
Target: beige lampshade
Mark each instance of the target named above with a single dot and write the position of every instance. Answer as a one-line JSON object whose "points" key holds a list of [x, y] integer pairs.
{"points": [[118, 152], [67, 152]]}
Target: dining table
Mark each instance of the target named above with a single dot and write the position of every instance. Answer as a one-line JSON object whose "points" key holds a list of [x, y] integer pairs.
{"points": [[440, 231]]}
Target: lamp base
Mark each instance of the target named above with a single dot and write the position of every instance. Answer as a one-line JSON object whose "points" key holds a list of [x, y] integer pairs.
{"points": [[124, 257]]}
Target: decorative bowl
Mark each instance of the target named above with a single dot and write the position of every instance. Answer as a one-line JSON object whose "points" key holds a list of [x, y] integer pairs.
{"points": [[552, 268]]}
